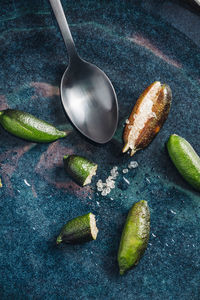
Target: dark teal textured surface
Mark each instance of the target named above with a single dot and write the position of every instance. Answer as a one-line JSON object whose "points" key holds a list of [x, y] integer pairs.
{"points": [[134, 46]]}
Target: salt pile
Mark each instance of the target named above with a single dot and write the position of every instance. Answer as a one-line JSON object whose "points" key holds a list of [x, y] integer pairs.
{"points": [[106, 187]]}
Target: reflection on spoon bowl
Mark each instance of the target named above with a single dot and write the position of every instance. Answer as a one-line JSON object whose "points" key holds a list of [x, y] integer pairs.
{"points": [[90, 101]]}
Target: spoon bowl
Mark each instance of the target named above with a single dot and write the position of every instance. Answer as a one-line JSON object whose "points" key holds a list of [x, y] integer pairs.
{"points": [[90, 101], [87, 94]]}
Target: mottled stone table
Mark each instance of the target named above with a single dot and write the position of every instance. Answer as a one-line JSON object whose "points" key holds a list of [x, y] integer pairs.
{"points": [[135, 43]]}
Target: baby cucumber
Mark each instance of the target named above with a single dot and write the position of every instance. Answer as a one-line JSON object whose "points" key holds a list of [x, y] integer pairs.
{"points": [[79, 168], [28, 127], [135, 236], [79, 230], [185, 159]]}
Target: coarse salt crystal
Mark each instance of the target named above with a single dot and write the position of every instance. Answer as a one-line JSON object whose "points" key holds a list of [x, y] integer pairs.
{"points": [[125, 171], [127, 121], [104, 193], [112, 173], [112, 185], [108, 190], [133, 164], [114, 176]]}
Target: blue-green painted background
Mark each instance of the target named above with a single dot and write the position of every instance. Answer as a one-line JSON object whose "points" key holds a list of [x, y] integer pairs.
{"points": [[135, 43]]}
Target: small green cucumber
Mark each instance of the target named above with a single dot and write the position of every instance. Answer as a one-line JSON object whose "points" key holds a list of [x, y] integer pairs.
{"points": [[79, 168], [28, 127], [79, 230], [185, 159], [135, 236]]}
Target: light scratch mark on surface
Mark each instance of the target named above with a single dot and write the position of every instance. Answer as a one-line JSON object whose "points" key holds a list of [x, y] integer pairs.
{"points": [[146, 43]]}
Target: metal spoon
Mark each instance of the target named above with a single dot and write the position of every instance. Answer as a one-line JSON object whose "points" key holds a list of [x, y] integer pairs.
{"points": [[87, 94]]}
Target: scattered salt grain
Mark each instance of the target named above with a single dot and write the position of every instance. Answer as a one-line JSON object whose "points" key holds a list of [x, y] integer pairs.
{"points": [[125, 171], [104, 193], [127, 121], [126, 180], [133, 165], [108, 180], [112, 185], [147, 179], [25, 181], [112, 172]]}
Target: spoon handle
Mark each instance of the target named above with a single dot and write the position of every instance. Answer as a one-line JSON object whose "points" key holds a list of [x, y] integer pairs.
{"points": [[64, 27]]}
